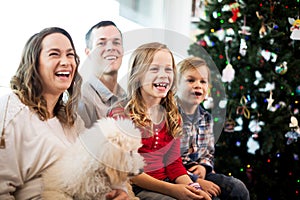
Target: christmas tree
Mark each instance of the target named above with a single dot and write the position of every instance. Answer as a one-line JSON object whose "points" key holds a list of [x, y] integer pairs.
{"points": [[256, 48]]}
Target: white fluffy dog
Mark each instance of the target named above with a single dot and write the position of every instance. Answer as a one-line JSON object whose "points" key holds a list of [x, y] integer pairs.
{"points": [[102, 159]]}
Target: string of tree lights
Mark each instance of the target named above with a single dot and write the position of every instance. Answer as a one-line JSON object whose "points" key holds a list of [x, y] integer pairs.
{"points": [[256, 47]]}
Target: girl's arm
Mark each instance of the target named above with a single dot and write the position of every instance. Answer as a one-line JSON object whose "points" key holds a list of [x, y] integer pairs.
{"points": [[178, 191], [173, 161], [148, 182]]}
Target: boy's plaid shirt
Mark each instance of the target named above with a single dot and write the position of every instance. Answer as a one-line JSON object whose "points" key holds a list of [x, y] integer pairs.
{"points": [[197, 142]]}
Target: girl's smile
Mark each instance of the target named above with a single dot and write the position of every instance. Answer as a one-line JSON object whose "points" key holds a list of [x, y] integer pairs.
{"points": [[158, 78]]}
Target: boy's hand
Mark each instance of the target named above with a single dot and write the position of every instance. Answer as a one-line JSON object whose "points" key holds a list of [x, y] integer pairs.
{"points": [[209, 187], [198, 170]]}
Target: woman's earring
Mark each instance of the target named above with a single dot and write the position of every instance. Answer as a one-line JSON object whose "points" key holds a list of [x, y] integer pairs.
{"points": [[65, 97]]}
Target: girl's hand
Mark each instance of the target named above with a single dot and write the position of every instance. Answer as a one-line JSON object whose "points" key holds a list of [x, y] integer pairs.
{"points": [[186, 192], [198, 170], [209, 187]]}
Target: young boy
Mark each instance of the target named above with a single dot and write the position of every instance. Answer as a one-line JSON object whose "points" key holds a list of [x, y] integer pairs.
{"points": [[197, 141]]}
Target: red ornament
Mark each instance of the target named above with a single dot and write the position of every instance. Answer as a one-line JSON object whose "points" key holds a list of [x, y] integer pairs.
{"points": [[235, 9], [202, 43]]}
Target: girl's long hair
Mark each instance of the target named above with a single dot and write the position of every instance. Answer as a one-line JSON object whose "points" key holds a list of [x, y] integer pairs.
{"points": [[139, 63], [27, 83]]}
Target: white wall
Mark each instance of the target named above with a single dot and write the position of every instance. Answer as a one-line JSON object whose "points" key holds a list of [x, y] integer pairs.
{"points": [[20, 19]]}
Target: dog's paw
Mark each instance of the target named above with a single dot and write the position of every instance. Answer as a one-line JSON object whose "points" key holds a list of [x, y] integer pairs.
{"points": [[130, 191]]}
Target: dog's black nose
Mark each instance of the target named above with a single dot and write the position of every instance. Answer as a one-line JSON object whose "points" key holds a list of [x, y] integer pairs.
{"points": [[136, 173], [141, 170]]}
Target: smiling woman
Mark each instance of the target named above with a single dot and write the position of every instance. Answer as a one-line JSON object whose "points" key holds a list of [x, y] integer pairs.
{"points": [[34, 111]]}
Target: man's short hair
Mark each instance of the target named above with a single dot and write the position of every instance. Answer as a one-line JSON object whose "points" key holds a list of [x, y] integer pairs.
{"points": [[96, 26]]}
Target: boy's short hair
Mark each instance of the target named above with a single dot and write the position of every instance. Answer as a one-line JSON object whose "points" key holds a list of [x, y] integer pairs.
{"points": [[192, 63]]}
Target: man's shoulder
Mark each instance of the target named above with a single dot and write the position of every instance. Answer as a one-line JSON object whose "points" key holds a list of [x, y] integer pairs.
{"points": [[86, 89], [89, 94], [121, 91]]}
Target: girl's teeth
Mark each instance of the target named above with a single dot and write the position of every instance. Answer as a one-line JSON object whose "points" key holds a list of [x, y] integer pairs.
{"points": [[160, 85]]}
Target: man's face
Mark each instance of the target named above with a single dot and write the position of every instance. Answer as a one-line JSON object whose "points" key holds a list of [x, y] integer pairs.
{"points": [[108, 44]]}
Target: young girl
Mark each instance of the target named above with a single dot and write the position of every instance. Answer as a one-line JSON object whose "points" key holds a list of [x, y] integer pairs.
{"points": [[151, 105], [197, 141]]}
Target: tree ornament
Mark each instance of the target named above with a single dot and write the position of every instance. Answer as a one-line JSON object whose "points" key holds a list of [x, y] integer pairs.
{"points": [[229, 125], [294, 123], [295, 29], [298, 90], [258, 77], [208, 41], [272, 25], [220, 34], [228, 73], [282, 68], [267, 55], [243, 47], [263, 30], [268, 87], [202, 43], [229, 35], [242, 109], [252, 145], [270, 101], [296, 111], [239, 126], [253, 105], [245, 30], [295, 131], [255, 125], [235, 9]]}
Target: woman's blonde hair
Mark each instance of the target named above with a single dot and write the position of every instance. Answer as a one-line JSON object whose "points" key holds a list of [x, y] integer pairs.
{"points": [[139, 63], [27, 82]]}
